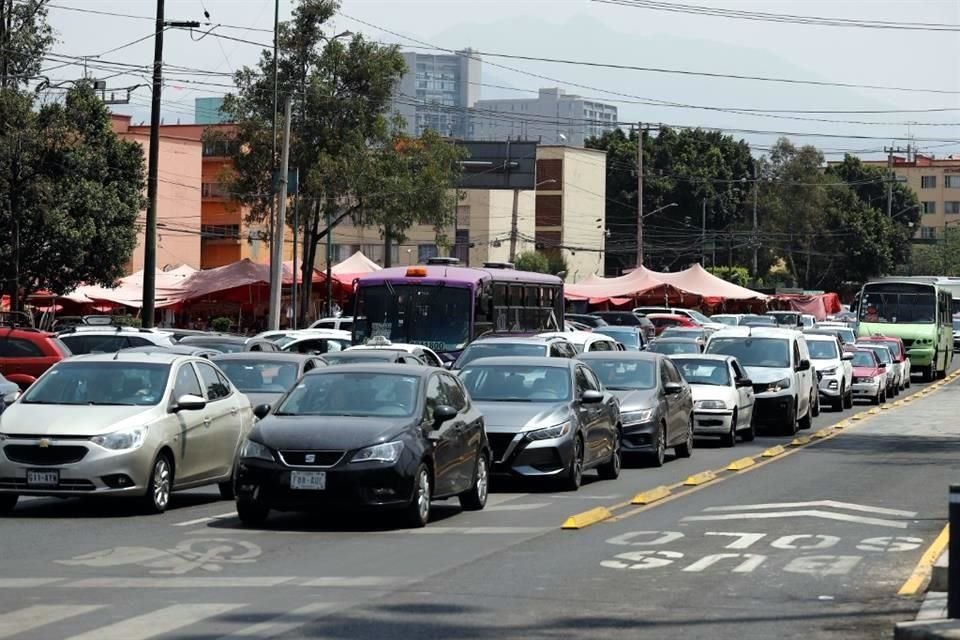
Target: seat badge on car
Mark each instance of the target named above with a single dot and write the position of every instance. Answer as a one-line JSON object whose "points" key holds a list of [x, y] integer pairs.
{"points": [[310, 458], [44, 443]]}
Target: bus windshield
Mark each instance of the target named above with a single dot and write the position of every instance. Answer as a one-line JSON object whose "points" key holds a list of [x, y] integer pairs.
{"points": [[904, 304], [434, 316]]}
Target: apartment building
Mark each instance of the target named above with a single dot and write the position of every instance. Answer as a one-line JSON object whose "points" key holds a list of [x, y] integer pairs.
{"points": [[936, 181], [436, 92]]}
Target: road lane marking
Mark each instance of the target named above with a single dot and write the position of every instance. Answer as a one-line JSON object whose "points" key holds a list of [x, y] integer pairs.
{"points": [[700, 478], [155, 623], [849, 506], [354, 582], [741, 464], [283, 623], [648, 497], [812, 513], [177, 583], [222, 516], [30, 618], [499, 498], [587, 518], [921, 574], [465, 531], [517, 507], [26, 583]]}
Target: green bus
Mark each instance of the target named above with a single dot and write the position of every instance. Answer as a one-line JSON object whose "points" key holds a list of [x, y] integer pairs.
{"points": [[916, 311]]}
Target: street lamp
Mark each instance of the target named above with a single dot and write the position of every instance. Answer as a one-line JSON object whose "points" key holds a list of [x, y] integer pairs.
{"points": [[659, 209]]}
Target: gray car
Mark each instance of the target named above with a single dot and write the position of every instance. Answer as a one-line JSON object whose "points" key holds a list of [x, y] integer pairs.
{"points": [[546, 418], [9, 392], [656, 404], [264, 377], [502, 345]]}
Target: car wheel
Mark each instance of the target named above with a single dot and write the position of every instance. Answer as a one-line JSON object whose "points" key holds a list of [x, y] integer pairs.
{"points": [[848, 399], [840, 401], [475, 498], [574, 476], [610, 470], [806, 421], [7, 502], [729, 439], [877, 399], [228, 489], [659, 455], [750, 433], [157, 496], [815, 404], [793, 423], [685, 450], [252, 514], [417, 513], [883, 397]]}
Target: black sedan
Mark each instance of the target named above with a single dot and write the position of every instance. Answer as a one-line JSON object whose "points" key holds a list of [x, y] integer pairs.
{"points": [[547, 418], [365, 436], [264, 377], [656, 404]]}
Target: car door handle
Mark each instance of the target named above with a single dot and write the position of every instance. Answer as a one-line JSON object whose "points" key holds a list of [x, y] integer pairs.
{"points": [[206, 421], [234, 411]]}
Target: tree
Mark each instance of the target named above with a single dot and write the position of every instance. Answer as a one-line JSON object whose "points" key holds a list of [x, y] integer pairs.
{"points": [[737, 275], [532, 261], [25, 38], [70, 190], [352, 162]]}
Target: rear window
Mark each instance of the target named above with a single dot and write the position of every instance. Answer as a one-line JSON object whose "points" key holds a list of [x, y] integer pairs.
{"points": [[822, 349], [754, 352], [493, 349], [84, 344]]}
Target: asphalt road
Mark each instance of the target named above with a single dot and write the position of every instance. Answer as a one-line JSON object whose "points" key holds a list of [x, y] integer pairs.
{"points": [[811, 543]]}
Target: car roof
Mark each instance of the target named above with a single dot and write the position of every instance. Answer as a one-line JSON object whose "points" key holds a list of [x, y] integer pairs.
{"points": [[703, 356], [526, 361], [272, 356], [676, 341], [576, 337], [375, 367], [620, 355], [333, 335], [872, 345], [517, 339], [165, 357], [383, 355], [623, 328], [222, 337], [820, 337], [690, 329]]}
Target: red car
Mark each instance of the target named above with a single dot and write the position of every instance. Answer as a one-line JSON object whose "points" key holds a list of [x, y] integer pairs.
{"points": [[898, 352], [663, 320], [869, 376], [25, 354]]}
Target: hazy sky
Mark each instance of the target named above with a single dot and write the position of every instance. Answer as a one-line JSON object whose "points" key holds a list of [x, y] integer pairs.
{"points": [[590, 31]]}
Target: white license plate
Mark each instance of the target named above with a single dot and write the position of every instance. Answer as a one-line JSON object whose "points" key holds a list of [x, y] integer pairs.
{"points": [[43, 478], [309, 480]]}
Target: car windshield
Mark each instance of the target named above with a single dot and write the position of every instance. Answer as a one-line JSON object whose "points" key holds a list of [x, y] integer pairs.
{"points": [[435, 316], [703, 371], [754, 352], [629, 337], [696, 315], [362, 394], [495, 349], [625, 375], [671, 347], [893, 346], [822, 349], [623, 319], [517, 383], [788, 319], [863, 359], [758, 321], [727, 320], [225, 347], [898, 303], [682, 332], [316, 345], [260, 376], [847, 336], [882, 353], [956, 325], [101, 383]]}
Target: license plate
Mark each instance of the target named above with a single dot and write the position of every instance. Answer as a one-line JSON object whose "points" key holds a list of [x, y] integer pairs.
{"points": [[42, 478], [308, 480]]}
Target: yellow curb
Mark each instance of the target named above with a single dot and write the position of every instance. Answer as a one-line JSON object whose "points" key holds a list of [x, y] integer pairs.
{"points": [[773, 452], [587, 518], [823, 433], [886, 407], [842, 424], [700, 478], [799, 442], [857, 416], [873, 412], [918, 579], [652, 495], [741, 464], [897, 403]]}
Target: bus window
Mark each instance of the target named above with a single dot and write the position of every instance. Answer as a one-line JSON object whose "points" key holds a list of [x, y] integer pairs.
{"points": [[533, 297], [499, 295], [516, 296]]}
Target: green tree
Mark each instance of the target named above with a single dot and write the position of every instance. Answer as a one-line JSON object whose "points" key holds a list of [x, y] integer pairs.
{"points": [[737, 275], [557, 263], [25, 38], [532, 261]]}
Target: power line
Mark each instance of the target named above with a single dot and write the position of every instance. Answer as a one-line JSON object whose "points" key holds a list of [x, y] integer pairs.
{"points": [[114, 14]]}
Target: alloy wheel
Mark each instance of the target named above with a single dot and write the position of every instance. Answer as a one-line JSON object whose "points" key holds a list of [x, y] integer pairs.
{"points": [[483, 480], [423, 495], [161, 483]]}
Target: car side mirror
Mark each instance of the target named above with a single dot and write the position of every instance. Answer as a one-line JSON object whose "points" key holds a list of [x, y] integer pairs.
{"points": [[190, 402], [261, 411], [443, 413], [744, 382], [846, 356], [672, 388], [448, 365], [883, 365], [804, 365], [591, 397]]}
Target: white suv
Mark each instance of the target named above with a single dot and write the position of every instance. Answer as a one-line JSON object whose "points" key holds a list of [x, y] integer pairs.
{"points": [[778, 363], [109, 339], [834, 369]]}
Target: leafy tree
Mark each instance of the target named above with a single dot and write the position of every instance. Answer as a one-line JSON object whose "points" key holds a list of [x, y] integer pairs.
{"points": [[25, 38], [737, 275], [532, 261], [557, 263]]}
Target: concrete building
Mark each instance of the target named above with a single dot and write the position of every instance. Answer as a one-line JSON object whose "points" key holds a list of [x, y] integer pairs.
{"points": [[207, 111], [936, 181], [435, 92], [553, 117]]}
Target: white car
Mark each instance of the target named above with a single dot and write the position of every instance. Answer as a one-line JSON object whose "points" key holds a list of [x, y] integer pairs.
{"points": [[585, 341], [424, 353], [727, 319], [340, 323], [318, 343], [809, 321], [834, 369], [110, 339], [722, 396]]}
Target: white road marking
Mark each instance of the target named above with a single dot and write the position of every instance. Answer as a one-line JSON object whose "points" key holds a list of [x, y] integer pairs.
{"points": [[893, 544], [790, 543], [812, 513], [355, 581], [222, 516], [647, 559], [26, 583], [751, 562], [23, 620], [743, 541], [822, 566], [281, 624], [177, 583], [517, 507], [467, 531], [155, 623], [499, 498], [848, 506], [659, 537]]}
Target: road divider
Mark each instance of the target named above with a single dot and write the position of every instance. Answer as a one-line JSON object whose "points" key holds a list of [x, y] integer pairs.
{"points": [[587, 518], [773, 452], [822, 433], [700, 478], [921, 574], [799, 442], [651, 496], [741, 464]]}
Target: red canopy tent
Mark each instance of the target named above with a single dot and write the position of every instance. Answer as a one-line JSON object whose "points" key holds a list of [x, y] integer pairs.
{"points": [[819, 305]]}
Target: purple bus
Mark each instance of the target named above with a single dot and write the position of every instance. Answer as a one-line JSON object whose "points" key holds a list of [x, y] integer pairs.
{"points": [[445, 306]]}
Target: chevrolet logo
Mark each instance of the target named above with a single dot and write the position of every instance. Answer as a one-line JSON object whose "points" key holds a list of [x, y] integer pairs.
{"points": [[44, 443]]}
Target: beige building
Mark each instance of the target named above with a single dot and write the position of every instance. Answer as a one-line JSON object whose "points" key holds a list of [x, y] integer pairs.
{"points": [[565, 213], [937, 185]]}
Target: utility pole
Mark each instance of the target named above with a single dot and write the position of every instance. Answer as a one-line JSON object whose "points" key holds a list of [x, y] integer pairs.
{"points": [[703, 232], [296, 271], [514, 221], [640, 138], [330, 265], [150, 231], [890, 177], [276, 266], [273, 153], [756, 235]]}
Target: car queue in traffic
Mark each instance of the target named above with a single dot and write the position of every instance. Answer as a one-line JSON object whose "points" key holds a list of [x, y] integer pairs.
{"points": [[320, 418]]}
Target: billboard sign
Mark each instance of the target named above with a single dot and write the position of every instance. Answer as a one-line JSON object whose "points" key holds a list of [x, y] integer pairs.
{"points": [[498, 165]]}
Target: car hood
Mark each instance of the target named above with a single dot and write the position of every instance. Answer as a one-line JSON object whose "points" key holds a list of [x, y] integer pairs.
{"points": [[712, 392], [826, 363], [865, 372], [258, 398], [762, 375], [511, 417], [326, 432], [636, 399], [71, 420]]}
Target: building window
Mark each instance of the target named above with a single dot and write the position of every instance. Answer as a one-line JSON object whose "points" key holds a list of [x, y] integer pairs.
{"points": [[951, 182], [375, 252], [928, 182], [213, 190], [426, 251], [928, 233], [951, 206], [220, 231], [929, 207], [219, 148], [461, 247]]}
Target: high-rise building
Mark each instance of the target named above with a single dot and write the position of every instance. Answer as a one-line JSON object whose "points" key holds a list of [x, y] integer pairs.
{"points": [[437, 91], [207, 111], [553, 117]]}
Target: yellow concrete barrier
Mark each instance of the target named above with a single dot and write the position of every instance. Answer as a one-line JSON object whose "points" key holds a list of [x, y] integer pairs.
{"points": [[587, 518], [647, 497], [873, 412], [822, 433], [741, 464], [773, 452], [799, 442], [700, 478]]}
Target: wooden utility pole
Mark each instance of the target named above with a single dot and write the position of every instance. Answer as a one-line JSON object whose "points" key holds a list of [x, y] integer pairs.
{"points": [[640, 140], [279, 227]]}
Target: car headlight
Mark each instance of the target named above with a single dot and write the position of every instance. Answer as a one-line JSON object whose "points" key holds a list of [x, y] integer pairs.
{"points": [[121, 440], [779, 385], [253, 449], [548, 433], [829, 372], [631, 417], [710, 404], [386, 452]]}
